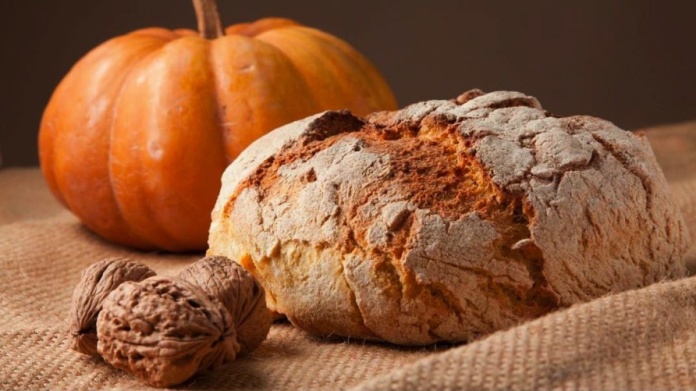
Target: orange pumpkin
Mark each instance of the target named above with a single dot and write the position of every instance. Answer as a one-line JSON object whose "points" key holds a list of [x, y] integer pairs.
{"points": [[135, 138]]}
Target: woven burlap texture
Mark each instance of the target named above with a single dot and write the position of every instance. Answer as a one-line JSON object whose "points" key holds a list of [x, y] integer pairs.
{"points": [[643, 339]]}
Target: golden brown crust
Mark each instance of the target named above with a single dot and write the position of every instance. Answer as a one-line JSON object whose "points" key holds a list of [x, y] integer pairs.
{"points": [[446, 220]]}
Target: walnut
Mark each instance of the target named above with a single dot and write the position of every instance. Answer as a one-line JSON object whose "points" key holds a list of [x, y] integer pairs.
{"points": [[97, 281], [164, 330], [241, 294]]}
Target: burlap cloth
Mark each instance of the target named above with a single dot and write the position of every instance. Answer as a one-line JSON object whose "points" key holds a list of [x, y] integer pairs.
{"points": [[643, 339]]}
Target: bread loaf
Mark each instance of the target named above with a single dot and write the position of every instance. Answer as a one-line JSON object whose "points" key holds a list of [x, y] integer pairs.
{"points": [[446, 220]]}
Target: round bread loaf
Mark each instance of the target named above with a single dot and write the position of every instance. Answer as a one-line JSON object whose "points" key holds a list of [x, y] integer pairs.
{"points": [[446, 220]]}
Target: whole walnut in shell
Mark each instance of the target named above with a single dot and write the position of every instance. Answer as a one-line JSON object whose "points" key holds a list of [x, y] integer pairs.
{"points": [[164, 330], [446, 220], [239, 292], [96, 282]]}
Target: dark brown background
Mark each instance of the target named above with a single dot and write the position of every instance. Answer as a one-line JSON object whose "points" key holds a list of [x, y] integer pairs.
{"points": [[632, 62]]}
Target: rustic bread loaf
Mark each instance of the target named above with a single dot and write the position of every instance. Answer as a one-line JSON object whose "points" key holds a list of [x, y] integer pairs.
{"points": [[446, 220]]}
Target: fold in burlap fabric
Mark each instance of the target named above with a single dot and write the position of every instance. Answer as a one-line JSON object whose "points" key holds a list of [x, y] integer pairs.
{"points": [[643, 339]]}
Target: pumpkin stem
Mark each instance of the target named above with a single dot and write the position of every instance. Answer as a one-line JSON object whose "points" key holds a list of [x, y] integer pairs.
{"points": [[209, 24]]}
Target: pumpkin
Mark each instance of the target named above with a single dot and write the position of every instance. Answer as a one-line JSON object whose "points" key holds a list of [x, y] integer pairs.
{"points": [[135, 138]]}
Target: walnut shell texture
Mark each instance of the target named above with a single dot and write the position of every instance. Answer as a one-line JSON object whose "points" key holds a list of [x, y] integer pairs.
{"points": [[164, 330], [446, 220], [239, 292], [96, 282]]}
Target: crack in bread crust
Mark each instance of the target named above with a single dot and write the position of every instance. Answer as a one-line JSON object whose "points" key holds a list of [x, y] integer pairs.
{"points": [[447, 220]]}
